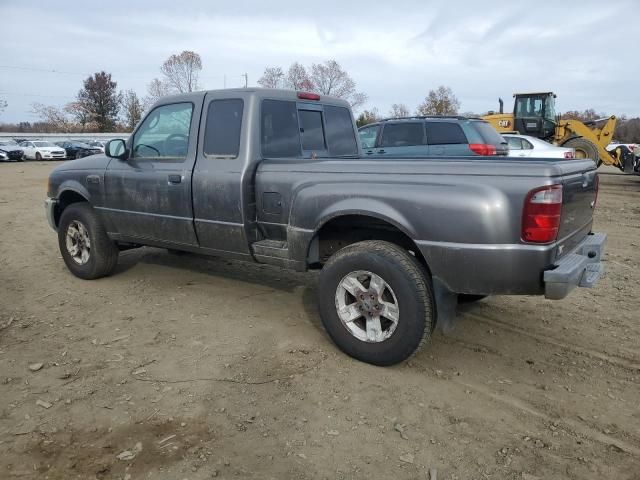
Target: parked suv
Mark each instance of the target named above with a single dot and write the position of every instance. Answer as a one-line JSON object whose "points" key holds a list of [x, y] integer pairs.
{"points": [[433, 136]]}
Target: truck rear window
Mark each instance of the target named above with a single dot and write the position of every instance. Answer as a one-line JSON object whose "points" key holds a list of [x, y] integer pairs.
{"points": [[280, 134], [311, 130], [222, 133]]}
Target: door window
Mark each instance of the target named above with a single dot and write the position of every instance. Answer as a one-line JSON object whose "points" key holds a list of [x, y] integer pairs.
{"points": [[445, 133], [526, 145], [164, 134], [403, 134], [368, 136], [222, 133]]}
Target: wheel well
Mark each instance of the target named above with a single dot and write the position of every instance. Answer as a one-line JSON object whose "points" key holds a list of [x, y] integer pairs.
{"points": [[345, 230], [66, 198]]}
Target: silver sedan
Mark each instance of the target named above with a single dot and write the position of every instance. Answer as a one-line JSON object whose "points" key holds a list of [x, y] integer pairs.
{"points": [[527, 146]]}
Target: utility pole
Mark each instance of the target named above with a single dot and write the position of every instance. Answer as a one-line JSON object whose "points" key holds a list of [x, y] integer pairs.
{"points": [[246, 80]]}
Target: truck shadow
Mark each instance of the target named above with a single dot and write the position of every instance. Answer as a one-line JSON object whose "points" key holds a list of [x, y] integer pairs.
{"points": [[269, 276]]}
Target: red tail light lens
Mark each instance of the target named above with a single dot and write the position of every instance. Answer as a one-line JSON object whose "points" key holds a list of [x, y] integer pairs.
{"points": [[568, 155], [541, 214], [308, 96], [482, 148]]}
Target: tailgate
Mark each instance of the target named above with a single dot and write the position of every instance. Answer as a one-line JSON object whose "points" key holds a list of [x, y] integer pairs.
{"points": [[578, 200]]}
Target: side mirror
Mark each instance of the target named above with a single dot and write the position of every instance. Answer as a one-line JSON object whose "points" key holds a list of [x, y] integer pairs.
{"points": [[116, 149]]}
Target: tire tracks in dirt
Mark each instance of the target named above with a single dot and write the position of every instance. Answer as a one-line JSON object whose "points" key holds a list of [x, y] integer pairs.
{"points": [[616, 360]]}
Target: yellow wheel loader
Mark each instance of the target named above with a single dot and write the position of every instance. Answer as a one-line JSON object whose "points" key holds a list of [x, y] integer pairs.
{"points": [[534, 114]]}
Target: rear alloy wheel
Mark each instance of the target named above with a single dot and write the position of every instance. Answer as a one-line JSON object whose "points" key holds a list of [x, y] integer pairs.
{"points": [[584, 149], [376, 302]]}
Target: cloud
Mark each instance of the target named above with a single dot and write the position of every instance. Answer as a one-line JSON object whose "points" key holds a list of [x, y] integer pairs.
{"points": [[396, 52]]}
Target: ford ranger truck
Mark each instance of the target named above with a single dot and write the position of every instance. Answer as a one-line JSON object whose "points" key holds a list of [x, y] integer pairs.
{"points": [[278, 177]]}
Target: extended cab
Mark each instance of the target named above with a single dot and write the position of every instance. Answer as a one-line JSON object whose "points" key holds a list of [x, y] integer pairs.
{"points": [[278, 177]]}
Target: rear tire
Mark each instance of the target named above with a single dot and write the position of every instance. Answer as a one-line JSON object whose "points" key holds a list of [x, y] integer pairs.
{"points": [[101, 253], [584, 149], [406, 290]]}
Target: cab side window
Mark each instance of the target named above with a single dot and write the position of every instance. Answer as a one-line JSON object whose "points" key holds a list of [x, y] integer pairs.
{"points": [[164, 134], [222, 133]]}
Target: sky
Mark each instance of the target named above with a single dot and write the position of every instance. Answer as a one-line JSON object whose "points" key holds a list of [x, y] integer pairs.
{"points": [[585, 51]]}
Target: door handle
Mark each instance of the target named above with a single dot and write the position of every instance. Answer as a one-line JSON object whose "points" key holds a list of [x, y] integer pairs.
{"points": [[381, 151], [369, 152], [175, 179]]}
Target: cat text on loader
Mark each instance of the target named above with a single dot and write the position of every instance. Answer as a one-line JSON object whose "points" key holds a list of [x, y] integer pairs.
{"points": [[534, 114]]}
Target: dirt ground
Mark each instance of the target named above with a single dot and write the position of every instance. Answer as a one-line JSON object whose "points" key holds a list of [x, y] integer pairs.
{"points": [[182, 368]]}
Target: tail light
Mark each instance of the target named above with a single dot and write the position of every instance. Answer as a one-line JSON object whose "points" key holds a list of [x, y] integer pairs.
{"points": [[308, 96], [482, 148], [541, 214], [568, 155]]}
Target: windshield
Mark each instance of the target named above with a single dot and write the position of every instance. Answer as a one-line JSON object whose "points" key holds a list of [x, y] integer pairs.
{"points": [[550, 108], [529, 106], [43, 144]]}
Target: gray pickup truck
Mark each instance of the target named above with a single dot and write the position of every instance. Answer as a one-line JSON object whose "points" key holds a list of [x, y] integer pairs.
{"points": [[278, 177]]}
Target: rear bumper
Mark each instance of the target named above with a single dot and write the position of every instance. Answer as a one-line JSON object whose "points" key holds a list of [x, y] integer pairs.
{"points": [[580, 268], [49, 208]]}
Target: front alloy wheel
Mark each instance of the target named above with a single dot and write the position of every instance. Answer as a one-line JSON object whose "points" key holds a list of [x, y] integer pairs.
{"points": [[78, 242]]}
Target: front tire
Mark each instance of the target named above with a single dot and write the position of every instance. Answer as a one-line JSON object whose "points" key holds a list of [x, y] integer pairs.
{"points": [[38, 156], [584, 149], [85, 247], [376, 302]]}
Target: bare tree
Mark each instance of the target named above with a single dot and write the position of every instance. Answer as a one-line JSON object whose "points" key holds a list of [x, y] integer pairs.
{"points": [[298, 78], [101, 100], [584, 116], [329, 78], [132, 109], [155, 91], [441, 101], [399, 110], [273, 77], [3, 105], [56, 118], [81, 115], [181, 71]]}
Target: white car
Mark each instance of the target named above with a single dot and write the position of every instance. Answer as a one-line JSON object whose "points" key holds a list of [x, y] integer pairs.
{"points": [[40, 150], [630, 147], [527, 146]]}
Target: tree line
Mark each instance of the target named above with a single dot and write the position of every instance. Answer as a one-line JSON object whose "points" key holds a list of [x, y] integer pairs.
{"points": [[100, 107]]}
